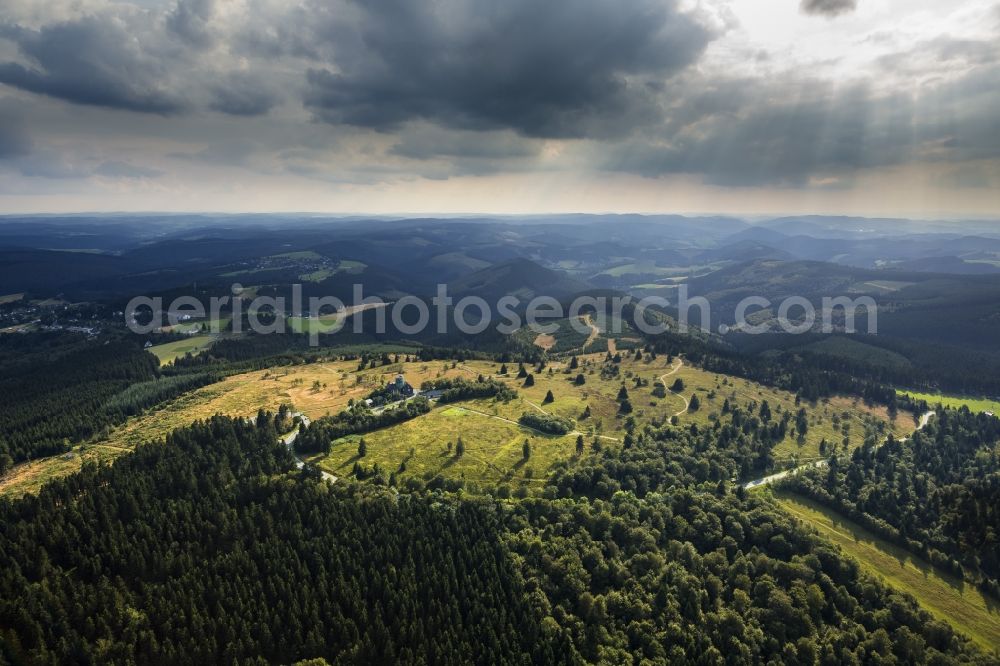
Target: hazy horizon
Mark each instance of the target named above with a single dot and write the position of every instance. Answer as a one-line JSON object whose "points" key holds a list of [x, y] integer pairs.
{"points": [[752, 219]]}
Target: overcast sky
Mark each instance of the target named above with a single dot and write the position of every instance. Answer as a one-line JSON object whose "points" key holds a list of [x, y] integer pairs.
{"points": [[876, 107]]}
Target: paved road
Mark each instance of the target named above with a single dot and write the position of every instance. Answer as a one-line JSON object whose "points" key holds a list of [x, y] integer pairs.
{"points": [[767, 480], [289, 441]]}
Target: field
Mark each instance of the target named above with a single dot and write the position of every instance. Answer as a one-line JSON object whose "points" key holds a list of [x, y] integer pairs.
{"points": [[565, 338], [172, 350], [239, 395], [494, 439], [941, 594], [956, 401], [885, 285], [828, 419], [489, 430], [650, 268], [587, 333], [328, 323], [346, 266], [493, 448], [323, 324], [207, 325], [10, 298], [315, 389]]}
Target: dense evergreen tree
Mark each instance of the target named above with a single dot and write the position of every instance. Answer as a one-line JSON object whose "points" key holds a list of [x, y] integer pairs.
{"points": [[937, 494], [547, 423], [320, 435], [455, 390], [212, 549], [57, 391]]}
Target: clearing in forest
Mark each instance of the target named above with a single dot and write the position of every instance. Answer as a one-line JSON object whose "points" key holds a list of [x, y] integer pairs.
{"points": [[586, 395], [980, 404]]}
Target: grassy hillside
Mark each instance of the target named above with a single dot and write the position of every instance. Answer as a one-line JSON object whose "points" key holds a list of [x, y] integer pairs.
{"points": [[489, 430], [173, 350], [943, 595], [425, 447], [957, 401], [493, 439]]}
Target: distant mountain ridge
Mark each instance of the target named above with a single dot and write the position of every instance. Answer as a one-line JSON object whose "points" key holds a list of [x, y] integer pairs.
{"points": [[520, 277]]}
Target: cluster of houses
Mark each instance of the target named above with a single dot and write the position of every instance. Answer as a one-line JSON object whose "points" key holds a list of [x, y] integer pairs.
{"points": [[397, 390]]}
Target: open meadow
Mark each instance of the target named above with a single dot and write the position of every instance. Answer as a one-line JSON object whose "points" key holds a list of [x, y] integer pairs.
{"points": [[202, 334], [492, 437], [980, 404], [170, 351]]}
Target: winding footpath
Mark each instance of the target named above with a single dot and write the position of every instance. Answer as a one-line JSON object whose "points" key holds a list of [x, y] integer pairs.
{"points": [[594, 332], [768, 480], [663, 380], [526, 427]]}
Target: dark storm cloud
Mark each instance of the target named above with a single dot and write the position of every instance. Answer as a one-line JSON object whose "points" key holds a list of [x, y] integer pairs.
{"points": [[461, 87], [189, 20], [789, 133], [732, 138], [424, 143], [90, 61], [828, 7], [14, 140], [243, 96], [558, 68]]}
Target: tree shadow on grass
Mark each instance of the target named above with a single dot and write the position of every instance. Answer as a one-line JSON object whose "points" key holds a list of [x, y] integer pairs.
{"points": [[350, 461]]}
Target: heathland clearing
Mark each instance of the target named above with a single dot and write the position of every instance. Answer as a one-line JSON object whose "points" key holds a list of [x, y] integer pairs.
{"points": [[493, 445]]}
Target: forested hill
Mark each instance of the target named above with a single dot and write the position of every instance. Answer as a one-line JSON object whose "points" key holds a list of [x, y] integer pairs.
{"points": [[938, 494], [212, 548], [206, 551], [59, 389], [53, 390]]}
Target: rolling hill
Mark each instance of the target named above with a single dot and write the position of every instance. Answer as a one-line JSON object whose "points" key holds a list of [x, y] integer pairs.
{"points": [[518, 277]]}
